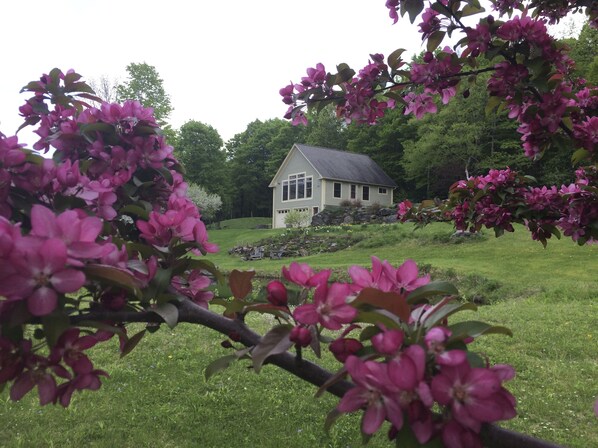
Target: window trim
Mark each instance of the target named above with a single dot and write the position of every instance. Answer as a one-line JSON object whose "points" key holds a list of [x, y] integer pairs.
{"points": [[340, 190], [382, 192], [296, 185], [353, 193]]}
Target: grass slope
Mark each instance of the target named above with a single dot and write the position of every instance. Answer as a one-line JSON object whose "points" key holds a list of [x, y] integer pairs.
{"points": [[156, 396]]}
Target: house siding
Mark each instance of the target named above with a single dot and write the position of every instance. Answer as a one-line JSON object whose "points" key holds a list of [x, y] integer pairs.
{"points": [[295, 164], [375, 196]]}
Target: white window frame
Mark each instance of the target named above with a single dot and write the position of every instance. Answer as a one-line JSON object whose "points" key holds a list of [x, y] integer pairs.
{"points": [[297, 184], [382, 190]]}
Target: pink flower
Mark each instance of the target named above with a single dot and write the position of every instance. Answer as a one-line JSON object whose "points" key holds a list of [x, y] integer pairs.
{"points": [[474, 395], [373, 391], [300, 335], [419, 104], [329, 307], [77, 230], [435, 340], [342, 348], [378, 278], [388, 342], [303, 275], [195, 287], [41, 273], [277, 293], [70, 347], [405, 277]]}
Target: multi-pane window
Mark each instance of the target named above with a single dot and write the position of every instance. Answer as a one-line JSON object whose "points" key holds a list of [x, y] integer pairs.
{"points": [[353, 191], [337, 191], [382, 190], [297, 186], [365, 193]]}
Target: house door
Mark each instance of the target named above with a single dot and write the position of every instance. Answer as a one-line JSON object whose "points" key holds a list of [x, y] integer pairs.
{"points": [[280, 218]]}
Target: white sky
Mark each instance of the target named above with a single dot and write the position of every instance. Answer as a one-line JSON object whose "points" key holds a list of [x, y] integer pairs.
{"points": [[222, 62]]}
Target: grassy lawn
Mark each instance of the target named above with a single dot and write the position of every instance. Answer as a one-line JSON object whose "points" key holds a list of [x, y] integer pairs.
{"points": [[156, 396]]}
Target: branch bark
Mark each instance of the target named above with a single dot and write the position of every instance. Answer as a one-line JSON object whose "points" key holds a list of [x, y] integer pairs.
{"points": [[493, 436]]}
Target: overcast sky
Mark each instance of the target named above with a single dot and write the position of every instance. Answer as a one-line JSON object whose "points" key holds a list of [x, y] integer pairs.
{"points": [[222, 62]]}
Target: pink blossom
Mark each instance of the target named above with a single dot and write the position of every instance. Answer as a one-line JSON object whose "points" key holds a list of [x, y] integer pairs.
{"points": [[474, 395], [342, 348], [329, 307], [373, 391], [41, 273], [300, 335], [405, 277], [419, 104], [436, 339], [388, 342], [78, 231], [70, 347], [277, 293], [303, 275], [377, 278], [195, 287]]}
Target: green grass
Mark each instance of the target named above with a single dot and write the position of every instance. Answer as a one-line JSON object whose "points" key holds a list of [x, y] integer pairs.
{"points": [[242, 223], [156, 396]]}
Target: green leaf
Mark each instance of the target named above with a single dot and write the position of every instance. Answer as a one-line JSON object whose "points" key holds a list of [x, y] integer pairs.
{"points": [[432, 289], [54, 325], [394, 59], [470, 10], [134, 210], [413, 7], [492, 104], [168, 312], [218, 365], [114, 276], [378, 317], [272, 343], [435, 40], [445, 311], [345, 73], [474, 329], [580, 155], [132, 343]]}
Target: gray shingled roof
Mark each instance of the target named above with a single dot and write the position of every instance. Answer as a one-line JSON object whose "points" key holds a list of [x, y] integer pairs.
{"points": [[345, 166]]}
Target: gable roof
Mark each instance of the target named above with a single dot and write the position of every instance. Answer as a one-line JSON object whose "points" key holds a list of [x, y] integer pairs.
{"points": [[345, 166]]}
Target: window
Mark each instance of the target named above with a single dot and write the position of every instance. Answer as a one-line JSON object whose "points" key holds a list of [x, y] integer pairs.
{"points": [[382, 190], [297, 186], [365, 193], [353, 191], [337, 190]]}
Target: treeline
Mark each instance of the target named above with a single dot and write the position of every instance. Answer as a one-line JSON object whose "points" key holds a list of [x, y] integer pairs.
{"points": [[423, 156]]}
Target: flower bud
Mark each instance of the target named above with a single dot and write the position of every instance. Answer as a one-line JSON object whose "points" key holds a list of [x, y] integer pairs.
{"points": [[344, 347], [388, 342], [428, 57], [277, 293], [300, 336]]}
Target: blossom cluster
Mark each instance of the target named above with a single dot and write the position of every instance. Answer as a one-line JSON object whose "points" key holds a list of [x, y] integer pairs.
{"points": [[407, 365], [531, 73], [98, 226], [503, 197]]}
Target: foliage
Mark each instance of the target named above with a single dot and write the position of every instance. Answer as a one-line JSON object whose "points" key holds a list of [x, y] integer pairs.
{"points": [[297, 218], [209, 204], [199, 148], [145, 85], [104, 233]]}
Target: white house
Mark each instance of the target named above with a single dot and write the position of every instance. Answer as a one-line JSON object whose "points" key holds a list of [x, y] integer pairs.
{"points": [[312, 178]]}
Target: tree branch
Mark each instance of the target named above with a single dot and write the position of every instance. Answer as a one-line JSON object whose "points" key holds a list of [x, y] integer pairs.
{"points": [[492, 436]]}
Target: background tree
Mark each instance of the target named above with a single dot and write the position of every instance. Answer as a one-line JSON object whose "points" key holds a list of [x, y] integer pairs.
{"points": [[584, 53], [145, 85], [209, 204], [105, 88], [200, 148]]}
